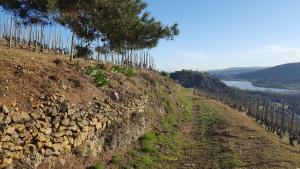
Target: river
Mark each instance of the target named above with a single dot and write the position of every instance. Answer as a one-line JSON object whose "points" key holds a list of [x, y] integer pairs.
{"points": [[245, 85]]}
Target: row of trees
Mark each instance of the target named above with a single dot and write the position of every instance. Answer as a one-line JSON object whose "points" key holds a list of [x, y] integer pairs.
{"points": [[118, 27], [279, 113], [51, 40]]}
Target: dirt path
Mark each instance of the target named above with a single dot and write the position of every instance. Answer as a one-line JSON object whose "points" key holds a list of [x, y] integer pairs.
{"points": [[220, 137]]}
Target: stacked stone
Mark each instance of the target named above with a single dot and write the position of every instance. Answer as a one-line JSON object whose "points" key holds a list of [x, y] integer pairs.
{"points": [[55, 127]]}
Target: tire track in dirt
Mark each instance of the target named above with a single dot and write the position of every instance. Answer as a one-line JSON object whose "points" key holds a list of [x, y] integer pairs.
{"points": [[206, 143]]}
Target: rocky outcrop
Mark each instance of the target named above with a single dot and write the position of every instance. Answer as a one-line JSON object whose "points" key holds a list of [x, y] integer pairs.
{"points": [[55, 127]]}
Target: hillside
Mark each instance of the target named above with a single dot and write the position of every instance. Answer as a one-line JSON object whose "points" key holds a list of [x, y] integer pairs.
{"points": [[284, 73], [195, 79], [233, 71], [55, 114], [52, 107]]}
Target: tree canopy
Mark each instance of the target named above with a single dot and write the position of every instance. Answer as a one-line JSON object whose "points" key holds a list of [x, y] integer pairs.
{"points": [[118, 24], [29, 11]]}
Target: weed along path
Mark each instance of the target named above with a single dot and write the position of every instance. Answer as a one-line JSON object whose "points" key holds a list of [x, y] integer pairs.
{"points": [[220, 137]]}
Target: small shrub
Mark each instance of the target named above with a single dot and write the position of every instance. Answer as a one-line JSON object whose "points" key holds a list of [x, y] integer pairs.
{"points": [[163, 73], [80, 151], [116, 159], [147, 143], [98, 166], [83, 52], [99, 77], [58, 62], [77, 63], [149, 136], [147, 162], [126, 70], [3, 90]]}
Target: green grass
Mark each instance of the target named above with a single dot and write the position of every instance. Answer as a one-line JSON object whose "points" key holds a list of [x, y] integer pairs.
{"points": [[126, 70], [147, 143], [210, 120], [99, 77], [165, 145], [160, 147], [76, 63], [97, 166]]}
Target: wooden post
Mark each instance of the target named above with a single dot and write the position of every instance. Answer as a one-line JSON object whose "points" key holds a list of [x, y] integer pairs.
{"points": [[257, 110], [15, 34], [291, 139], [42, 38], [282, 121], [11, 31], [72, 46], [272, 118], [30, 37], [98, 51], [265, 119]]}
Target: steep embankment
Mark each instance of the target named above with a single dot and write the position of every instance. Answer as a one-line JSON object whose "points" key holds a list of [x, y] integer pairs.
{"points": [[51, 108]]}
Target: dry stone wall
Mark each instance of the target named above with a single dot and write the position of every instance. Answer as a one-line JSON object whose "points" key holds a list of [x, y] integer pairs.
{"points": [[56, 127]]}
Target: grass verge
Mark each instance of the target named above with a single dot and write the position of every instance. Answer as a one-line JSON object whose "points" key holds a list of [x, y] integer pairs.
{"points": [[160, 147]]}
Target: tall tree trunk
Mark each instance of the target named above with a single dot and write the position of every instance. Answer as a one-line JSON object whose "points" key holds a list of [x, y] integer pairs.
{"points": [[30, 37], [11, 31], [15, 34], [72, 46], [291, 139], [42, 38]]}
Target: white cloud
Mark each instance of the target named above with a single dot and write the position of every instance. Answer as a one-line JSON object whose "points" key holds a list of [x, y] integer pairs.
{"points": [[275, 49]]}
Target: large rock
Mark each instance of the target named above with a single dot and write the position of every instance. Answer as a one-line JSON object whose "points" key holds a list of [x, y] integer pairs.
{"points": [[49, 152], [1, 117], [10, 130], [20, 127], [35, 115], [8, 146], [46, 131], [41, 137], [65, 122], [56, 147], [20, 117], [63, 107], [7, 120], [5, 138], [59, 134], [4, 109], [6, 162]]}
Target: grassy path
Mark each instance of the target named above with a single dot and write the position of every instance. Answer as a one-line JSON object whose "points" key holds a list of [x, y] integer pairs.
{"points": [[209, 135], [206, 143], [229, 139]]}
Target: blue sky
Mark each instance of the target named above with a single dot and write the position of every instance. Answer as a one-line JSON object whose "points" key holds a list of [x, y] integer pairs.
{"points": [[228, 33]]}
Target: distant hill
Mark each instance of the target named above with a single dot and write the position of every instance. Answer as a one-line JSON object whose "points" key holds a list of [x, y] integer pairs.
{"points": [[285, 76], [234, 70], [199, 80], [283, 73]]}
